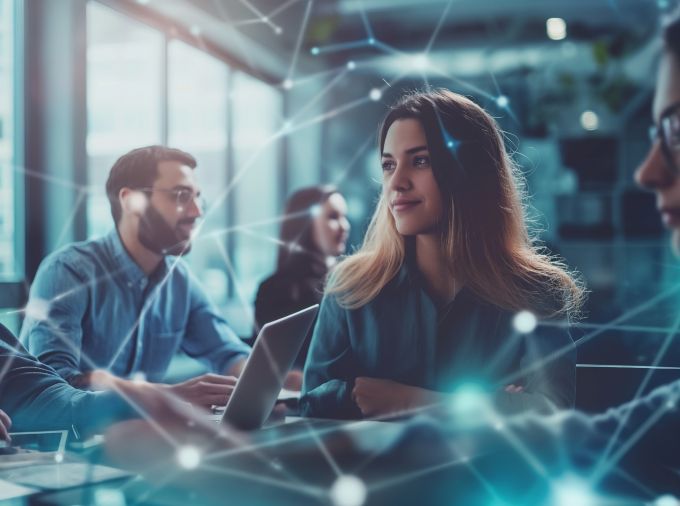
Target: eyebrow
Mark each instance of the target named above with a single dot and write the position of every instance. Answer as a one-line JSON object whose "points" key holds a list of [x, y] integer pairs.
{"points": [[669, 110], [409, 151]]}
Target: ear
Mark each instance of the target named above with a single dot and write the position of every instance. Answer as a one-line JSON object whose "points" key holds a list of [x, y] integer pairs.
{"points": [[132, 202]]}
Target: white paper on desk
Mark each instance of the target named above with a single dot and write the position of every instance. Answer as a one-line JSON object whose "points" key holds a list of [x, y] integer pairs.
{"points": [[9, 490]]}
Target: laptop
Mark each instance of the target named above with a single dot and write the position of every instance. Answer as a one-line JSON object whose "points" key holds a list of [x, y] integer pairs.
{"points": [[276, 347]]}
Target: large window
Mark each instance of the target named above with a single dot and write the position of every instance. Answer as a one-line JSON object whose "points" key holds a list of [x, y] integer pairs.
{"points": [[124, 98], [197, 123], [257, 118], [10, 240]]}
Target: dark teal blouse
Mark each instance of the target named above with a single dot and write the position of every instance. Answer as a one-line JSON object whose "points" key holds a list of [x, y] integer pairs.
{"points": [[402, 336]]}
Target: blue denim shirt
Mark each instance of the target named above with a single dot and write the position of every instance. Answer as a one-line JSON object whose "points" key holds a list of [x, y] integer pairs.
{"points": [[402, 336], [104, 312]]}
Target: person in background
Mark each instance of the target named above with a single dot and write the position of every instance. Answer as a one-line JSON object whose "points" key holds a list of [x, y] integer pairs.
{"points": [[106, 309], [428, 301], [313, 235]]}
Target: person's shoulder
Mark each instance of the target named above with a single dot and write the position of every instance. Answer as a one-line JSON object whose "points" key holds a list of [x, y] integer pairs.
{"points": [[78, 257]]}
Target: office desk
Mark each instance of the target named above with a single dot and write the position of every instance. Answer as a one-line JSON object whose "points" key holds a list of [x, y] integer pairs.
{"points": [[291, 464]]}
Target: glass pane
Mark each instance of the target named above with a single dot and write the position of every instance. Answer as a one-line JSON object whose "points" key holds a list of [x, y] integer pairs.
{"points": [[124, 98], [9, 241], [197, 123], [257, 117]]}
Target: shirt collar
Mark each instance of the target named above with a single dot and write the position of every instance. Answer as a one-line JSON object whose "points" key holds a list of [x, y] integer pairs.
{"points": [[124, 263]]}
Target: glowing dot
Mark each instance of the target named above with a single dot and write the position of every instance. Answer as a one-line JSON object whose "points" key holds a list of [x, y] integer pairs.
{"points": [[59, 457], [138, 377], [666, 500], [278, 30], [375, 94], [589, 121], [38, 309], [287, 125], [314, 51], [524, 322], [137, 202], [420, 62], [499, 425], [556, 28], [195, 30], [315, 210], [470, 403], [663, 4], [502, 101], [571, 491], [348, 491], [287, 84], [371, 41], [670, 404], [351, 65], [265, 19], [188, 457]]}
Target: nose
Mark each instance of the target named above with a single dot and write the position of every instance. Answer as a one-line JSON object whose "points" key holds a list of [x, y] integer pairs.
{"points": [[654, 172], [194, 209], [401, 178]]}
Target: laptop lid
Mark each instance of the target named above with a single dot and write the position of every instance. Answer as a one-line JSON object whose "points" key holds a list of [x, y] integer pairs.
{"points": [[276, 347]]}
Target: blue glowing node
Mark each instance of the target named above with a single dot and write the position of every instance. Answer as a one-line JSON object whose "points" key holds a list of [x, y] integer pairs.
{"points": [[348, 491], [371, 41], [38, 309], [524, 322], [188, 457], [351, 65], [375, 94], [314, 51], [666, 500], [502, 101], [573, 490], [470, 403]]}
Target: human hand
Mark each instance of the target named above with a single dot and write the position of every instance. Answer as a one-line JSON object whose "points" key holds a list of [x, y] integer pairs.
{"points": [[293, 380], [206, 390], [381, 397], [5, 424], [514, 389]]}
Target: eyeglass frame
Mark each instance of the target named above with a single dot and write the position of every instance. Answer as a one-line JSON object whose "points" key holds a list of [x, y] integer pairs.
{"points": [[195, 197], [658, 131]]}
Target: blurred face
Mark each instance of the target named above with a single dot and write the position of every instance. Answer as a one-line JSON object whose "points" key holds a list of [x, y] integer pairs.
{"points": [[169, 219], [409, 186], [656, 172], [330, 226]]}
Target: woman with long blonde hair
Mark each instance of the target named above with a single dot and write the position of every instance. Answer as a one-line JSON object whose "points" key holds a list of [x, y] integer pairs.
{"points": [[427, 303]]}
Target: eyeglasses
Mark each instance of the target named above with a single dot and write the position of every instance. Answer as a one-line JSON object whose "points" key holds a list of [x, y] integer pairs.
{"points": [[668, 132], [183, 196]]}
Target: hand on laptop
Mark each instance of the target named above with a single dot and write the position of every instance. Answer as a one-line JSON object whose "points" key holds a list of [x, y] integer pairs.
{"points": [[5, 424], [206, 390], [293, 380]]}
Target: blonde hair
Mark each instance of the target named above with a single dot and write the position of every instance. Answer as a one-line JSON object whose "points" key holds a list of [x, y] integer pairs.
{"points": [[483, 231]]}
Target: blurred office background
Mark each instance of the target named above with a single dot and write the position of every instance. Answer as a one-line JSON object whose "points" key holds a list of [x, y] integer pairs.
{"points": [[272, 95]]}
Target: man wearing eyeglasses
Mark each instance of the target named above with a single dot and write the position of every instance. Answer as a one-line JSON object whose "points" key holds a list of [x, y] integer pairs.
{"points": [[107, 310]]}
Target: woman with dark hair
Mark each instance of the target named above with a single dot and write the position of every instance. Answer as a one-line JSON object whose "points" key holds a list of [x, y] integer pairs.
{"points": [[313, 234], [428, 301]]}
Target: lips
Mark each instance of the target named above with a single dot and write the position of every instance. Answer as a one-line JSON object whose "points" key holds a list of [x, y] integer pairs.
{"points": [[186, 228], [670, 216], [403, 204]]}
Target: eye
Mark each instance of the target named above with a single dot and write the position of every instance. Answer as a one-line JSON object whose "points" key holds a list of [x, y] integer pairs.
{"points": [[421, 161], [388, 165], [184, 196]]}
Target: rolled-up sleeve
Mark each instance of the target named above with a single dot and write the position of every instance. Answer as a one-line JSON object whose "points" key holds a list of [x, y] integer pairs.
{"points": [[208, 336], [52, 329], [331, 367]]}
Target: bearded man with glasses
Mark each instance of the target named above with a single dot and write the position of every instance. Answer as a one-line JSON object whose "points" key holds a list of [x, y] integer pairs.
{"points": [[107, 310]]}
